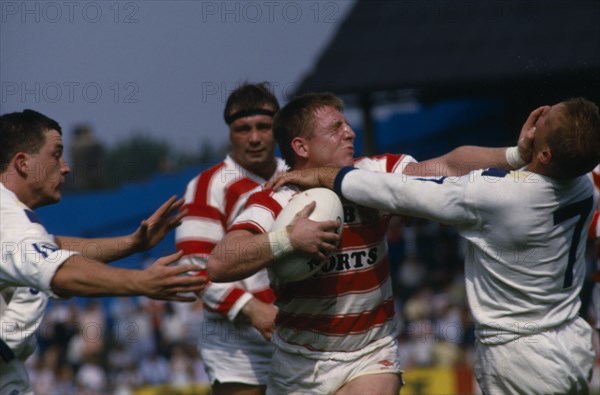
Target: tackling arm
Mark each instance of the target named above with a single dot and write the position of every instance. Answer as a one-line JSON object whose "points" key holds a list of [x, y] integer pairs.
{"points": [[439, 199], [465, 159], [79, 276], [150, 232]]}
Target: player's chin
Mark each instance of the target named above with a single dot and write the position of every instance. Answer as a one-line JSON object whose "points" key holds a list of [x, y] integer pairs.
{"points": [[347, 161], [258, 157], [56, 196]]}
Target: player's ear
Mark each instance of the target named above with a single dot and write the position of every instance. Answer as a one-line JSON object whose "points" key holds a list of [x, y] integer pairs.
{"points": [[21, 162], [545, 156], [300, 147]]}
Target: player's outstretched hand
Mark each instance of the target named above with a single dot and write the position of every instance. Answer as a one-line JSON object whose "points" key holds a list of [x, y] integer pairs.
{"points": [[153, 229], [317, 239], [166, 282], [527, 135], [306, 178]]}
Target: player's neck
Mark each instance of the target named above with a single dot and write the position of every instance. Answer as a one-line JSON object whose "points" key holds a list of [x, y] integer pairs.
{"points": [[19, 188], [265, 170], [545, 170]]}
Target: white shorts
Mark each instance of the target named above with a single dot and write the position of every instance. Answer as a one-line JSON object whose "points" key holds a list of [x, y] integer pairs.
{"points": [[14, 379], [234, 353], [557, 361], [299, 374]]}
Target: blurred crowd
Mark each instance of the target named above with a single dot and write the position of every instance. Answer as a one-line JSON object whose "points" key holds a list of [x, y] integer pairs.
{"points": [[119, 345]]}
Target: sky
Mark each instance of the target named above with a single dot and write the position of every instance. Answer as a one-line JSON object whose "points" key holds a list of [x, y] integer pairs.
{"points": [[160, 68]]}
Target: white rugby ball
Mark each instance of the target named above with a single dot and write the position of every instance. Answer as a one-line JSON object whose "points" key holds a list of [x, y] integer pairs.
{"points": [[297, 266]]}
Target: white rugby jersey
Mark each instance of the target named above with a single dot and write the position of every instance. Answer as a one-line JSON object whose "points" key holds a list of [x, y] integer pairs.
{"points": [[348, 304], [30, 258], [213, 199], [20, 318], [526, 240]]}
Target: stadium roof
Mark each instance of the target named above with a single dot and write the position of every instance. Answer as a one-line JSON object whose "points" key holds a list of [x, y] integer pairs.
{"points": [[443, 47]]}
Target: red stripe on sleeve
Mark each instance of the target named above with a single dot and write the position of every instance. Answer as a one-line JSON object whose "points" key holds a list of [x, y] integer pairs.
{"points": [[392, 161], [236, 190], [251, 227], [229, 300], [261, 199], [339, 325], [267, 295], [264, 199]]}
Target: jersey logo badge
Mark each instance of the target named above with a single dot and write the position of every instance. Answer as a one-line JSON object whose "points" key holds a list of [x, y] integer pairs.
{"points": [[45, 249]]}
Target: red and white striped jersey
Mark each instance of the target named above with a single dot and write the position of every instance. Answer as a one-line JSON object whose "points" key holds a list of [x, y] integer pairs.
{"points": [[213, 199], [348, 304]]}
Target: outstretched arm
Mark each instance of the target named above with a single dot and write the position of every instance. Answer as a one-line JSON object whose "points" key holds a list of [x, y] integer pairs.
{"points": [[150, 232], [457, 162], [79, 276], [465, 159], [394, 193]]}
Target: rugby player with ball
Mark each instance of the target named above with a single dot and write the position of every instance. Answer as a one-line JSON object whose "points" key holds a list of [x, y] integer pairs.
{"points": [[335, 330]]}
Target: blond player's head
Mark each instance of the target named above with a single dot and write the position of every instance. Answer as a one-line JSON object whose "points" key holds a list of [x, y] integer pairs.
{"points": [[567, 139]]}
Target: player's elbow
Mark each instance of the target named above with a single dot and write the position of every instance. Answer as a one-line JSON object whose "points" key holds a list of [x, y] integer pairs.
{"points": [[62, 283], [214, 270]]}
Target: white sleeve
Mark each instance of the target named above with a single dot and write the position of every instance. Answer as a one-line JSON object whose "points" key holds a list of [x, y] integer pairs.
{"points": [[30, 256], [20, 318], [32, 262], [441, 199]]}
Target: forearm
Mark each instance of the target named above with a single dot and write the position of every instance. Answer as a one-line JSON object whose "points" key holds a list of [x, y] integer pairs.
{"points": [[239, 255], [99, 249], [440, 200], [84, 277], [460, 161]]}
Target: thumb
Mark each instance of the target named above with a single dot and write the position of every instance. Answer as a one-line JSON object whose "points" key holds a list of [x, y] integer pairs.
{"points": [[143, 227], [168, 259], [307, 210]]}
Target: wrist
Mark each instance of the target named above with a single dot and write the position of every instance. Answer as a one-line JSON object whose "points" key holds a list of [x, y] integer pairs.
{"points": [[133, 244], [280, 243], [337, 183], [513, 157], [134, 284]]}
